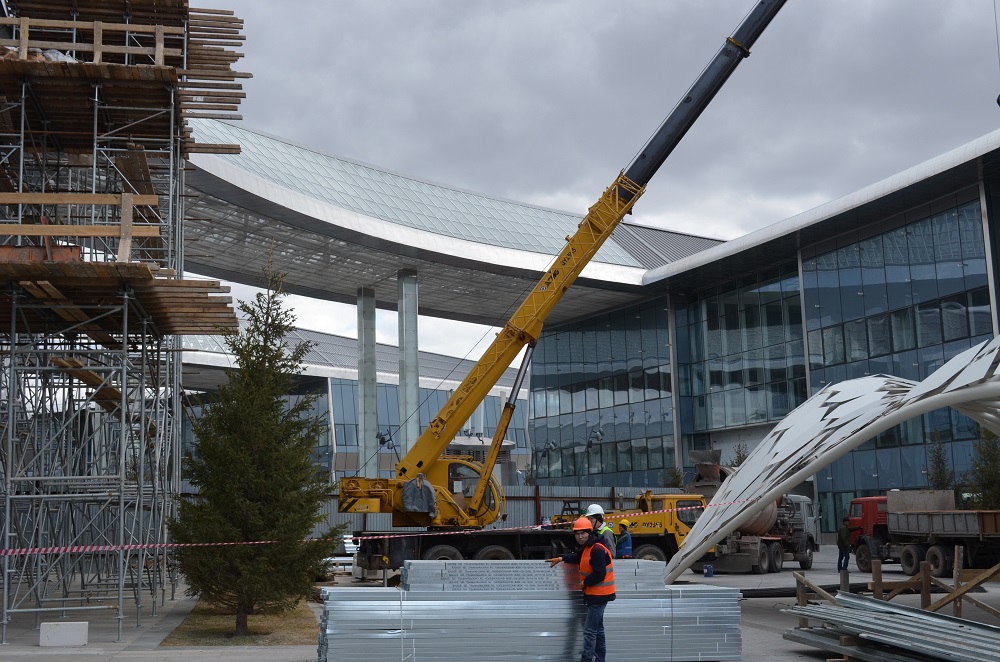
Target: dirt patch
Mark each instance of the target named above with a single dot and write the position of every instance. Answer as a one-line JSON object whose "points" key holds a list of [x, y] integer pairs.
{"points": [[208, 625]]}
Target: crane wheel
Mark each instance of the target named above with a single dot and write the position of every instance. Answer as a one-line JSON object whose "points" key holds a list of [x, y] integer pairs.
{"points": [[442, 553], [650, 553], [493, 553]]}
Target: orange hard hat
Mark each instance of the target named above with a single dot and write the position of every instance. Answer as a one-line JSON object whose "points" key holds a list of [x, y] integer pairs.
{"points": [[583, 524]]}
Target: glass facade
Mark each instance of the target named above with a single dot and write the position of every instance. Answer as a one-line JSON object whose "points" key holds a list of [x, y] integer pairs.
{"points": [[602, 407], [900, 301], [900, 297], [344, 395], [740, 356]]}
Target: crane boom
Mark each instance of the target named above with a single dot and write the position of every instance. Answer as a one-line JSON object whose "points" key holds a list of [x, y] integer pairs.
{"points": [[524, 327]]}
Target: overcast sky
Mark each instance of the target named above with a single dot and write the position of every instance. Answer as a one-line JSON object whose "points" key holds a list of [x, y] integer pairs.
{"points": [[545, 101]]}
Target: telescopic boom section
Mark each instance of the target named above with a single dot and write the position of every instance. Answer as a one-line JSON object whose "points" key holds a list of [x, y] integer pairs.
{"points": [[525, 325]]}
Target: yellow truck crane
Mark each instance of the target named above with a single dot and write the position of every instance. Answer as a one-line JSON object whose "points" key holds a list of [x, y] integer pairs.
{"points": [[422, 493], [659, 523]]}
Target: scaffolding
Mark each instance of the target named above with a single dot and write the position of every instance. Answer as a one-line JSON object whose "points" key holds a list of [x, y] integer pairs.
{"points": [[93, 101]]}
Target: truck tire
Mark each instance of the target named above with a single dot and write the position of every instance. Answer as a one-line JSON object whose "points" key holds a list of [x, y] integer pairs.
{"points": [[763, 565], [493, 553], [650, 553], [910, 558], [442, 553], [863, 557], [941, 561], [805, 559], [777, 556]]}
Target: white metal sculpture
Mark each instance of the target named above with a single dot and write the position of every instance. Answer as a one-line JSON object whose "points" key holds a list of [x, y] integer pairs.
{"points": [[833, 422]]}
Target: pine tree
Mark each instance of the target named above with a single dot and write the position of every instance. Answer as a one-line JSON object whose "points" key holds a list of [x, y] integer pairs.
{"points": [[672, 477], [740, 454], [256, 479], [940, 475], [984, 476]]}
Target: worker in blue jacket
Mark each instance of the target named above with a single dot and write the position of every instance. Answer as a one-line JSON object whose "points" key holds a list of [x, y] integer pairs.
{"points": [[623, 541]]}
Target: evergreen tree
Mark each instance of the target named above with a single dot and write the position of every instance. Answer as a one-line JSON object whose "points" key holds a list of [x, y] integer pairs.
{"points": [[672, 477], [984, 476], [740, 454], [256, 479], [940, 475]]}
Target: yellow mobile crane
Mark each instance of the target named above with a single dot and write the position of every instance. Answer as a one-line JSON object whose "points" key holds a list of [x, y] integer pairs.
{"points": [[423, 493]]}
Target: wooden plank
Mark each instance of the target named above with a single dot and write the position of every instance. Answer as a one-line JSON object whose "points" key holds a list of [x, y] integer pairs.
{"points": [[961, 591], [74, 199], [21, 230], [216, 12], [125, 244], [158, 49], [213, 116], [98, 42], [87, 25]]}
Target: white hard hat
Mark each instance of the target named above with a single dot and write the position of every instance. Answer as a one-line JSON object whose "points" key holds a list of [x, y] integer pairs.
{"points": [[594, 509]]}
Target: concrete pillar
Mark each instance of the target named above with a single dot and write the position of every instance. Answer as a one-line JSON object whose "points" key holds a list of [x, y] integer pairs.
{"points": [[409, 361], [367, 398]]}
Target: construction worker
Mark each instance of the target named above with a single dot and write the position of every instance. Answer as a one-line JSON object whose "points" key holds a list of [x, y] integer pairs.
{"points": [[844, 543], [597, 580], [623, 541], [605, 532]]}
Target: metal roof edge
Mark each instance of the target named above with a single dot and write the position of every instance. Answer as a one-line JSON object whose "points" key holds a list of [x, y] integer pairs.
{"points": [[934, 166]]}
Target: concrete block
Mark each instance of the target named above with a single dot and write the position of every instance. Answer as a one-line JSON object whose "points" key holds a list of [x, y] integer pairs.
{"points": [[63, 634]]}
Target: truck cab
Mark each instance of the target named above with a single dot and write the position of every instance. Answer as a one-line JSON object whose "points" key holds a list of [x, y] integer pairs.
{"points": [[868, 517]]}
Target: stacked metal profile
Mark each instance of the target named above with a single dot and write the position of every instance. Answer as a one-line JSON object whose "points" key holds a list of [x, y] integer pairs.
{"points": [[506, 610], [872, 629]]}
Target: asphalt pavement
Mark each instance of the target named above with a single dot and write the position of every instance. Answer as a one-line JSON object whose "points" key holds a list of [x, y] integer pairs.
{"points": [[762, 620]]}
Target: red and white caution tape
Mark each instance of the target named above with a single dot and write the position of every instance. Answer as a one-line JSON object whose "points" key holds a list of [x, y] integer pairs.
{"points": [[89, 549]]}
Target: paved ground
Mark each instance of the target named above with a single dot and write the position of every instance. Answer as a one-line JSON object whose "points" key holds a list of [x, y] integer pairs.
{"points": [[763, 625]]}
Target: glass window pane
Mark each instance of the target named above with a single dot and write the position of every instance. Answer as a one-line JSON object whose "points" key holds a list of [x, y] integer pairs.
{"points": [[980, 319], [640, 460], [929, 324], [833, 345], [856, 340], [903, 334], [878, 335], [594, 458], [954, 318]]}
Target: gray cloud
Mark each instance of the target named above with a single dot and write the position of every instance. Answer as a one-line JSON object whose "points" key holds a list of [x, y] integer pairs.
{"points": [[545, 101]]}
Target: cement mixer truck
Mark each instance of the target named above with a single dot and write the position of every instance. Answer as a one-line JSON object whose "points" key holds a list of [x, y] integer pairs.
{"points": [[784, 530]]}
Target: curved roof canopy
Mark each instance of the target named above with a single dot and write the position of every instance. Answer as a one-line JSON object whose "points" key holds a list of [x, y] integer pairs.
{"points": [[336, 225]]}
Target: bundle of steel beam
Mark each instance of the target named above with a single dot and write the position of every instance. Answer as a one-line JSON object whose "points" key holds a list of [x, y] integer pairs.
{"points": [[878, 630], [504, 610]]}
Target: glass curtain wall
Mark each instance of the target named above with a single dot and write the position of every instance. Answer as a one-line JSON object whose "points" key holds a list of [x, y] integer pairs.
{"points": [[740, 355], [322, 454], [901, 301], [602, 410], [344, 394]]}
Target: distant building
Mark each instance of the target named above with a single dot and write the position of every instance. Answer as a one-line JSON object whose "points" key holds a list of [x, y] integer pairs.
{"points": [[331, 369]]}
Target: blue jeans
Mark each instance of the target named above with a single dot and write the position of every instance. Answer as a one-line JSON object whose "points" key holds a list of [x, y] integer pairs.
{"points": [[843, 559], [594, 647]]}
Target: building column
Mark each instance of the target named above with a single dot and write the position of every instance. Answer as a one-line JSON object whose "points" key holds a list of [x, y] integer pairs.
{"points": [[367, 398], [409, 361]]}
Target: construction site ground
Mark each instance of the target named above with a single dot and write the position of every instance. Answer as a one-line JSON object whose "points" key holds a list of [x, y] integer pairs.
{"points": [[763, 624]]}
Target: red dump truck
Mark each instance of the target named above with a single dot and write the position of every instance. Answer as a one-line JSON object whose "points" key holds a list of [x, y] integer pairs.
{"points": [[911, 526]]}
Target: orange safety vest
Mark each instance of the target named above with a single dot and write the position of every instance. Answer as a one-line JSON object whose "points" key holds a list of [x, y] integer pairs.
{"points": [[607, 587]]}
